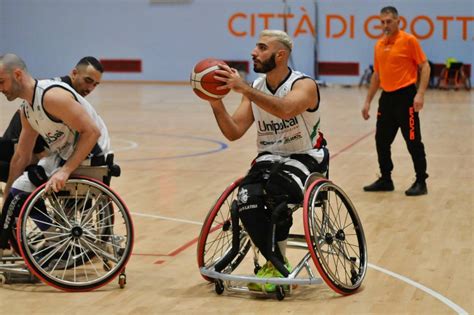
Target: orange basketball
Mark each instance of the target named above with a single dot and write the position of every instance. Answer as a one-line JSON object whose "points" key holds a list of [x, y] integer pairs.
{"points": [[203, 82]]}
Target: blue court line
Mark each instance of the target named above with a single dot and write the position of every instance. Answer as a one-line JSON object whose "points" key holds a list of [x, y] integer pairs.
{"points": [[221, 146]]}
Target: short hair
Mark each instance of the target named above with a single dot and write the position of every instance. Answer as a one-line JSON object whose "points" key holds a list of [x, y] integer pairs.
{"points": [[389, 9], [11, 61], [89, 60], [280, 36]]}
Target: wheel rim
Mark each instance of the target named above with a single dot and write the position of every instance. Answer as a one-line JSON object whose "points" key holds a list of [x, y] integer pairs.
{"points": [[337, 238], [79, 238]]}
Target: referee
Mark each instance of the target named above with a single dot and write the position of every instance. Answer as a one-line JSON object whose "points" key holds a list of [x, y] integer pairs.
{"points": [[397, 59]]}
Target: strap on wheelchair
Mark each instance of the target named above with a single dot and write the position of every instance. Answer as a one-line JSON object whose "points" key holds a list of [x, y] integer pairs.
{"points": [[227, 259], [274, 252]]}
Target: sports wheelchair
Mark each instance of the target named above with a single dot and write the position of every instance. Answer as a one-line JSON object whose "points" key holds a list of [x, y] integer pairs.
{"points": [[454, 77], [77, 239], [333, 239]]}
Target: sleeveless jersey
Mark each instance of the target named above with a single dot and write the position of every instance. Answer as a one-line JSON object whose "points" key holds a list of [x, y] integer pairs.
{"points": [[60, 138], [285, 136]]}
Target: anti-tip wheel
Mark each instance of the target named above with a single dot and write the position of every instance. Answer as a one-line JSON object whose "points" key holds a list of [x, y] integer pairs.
{"points": [[219, 286], [280, 292], [122, 280]]}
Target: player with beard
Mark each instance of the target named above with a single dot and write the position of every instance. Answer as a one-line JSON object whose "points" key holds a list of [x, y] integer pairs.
{"points": [[284, 105]]}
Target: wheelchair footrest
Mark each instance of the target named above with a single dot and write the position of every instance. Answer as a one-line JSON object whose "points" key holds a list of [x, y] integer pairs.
{"points": [[16, 278], [243, 278]]}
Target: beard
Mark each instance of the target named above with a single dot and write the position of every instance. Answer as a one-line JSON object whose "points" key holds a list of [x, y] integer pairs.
{"points": [[14, 91], [265, 66]]}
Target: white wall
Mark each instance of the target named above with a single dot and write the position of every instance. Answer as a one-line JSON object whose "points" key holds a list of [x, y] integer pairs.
{"points": [[51, 35]]}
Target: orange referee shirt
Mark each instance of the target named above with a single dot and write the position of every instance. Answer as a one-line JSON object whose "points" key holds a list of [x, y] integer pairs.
{"points": [[396, 60]]}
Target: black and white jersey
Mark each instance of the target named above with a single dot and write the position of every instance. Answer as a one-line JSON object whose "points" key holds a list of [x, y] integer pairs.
{"points": [[60, 138]]}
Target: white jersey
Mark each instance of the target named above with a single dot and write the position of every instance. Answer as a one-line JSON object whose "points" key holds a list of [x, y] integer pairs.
{"points": [[285, 136], [60, 138]]}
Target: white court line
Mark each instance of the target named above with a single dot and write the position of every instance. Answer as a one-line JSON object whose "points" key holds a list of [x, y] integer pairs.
{"points": [[131, 145], [417, 285], [433, 293], [165, 218]]}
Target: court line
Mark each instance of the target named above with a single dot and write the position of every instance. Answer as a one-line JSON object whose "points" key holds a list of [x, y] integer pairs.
{"points": [[418, 285], [131, 145], [350, 145], [221, 146], [165, 218]]}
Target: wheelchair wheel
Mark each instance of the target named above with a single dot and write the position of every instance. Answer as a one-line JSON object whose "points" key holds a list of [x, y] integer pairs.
{"points": [[335, 236], [215, 239], [78, 239]]}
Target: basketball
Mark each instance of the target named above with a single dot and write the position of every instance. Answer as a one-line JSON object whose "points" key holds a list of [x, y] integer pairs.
{"points": [[203, 82]]}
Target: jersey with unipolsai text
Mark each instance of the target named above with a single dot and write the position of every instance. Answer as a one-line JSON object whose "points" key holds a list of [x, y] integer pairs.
{"points": [[60, 138], [285, 136]]}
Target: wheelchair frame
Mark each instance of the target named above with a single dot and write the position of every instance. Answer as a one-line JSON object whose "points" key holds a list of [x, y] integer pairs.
{"points": [[340, 257], [78, 239]]}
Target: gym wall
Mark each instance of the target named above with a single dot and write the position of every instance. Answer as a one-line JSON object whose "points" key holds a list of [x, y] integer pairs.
{"points": [[148, 40]]}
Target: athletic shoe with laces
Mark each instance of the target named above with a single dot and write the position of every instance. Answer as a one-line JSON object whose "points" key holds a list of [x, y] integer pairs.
{"points": [[262, 273], [268, 271], [270, 287]]}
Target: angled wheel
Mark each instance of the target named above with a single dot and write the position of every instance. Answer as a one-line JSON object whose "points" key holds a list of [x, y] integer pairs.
{"points": [[215, 239], [78, 239], [335, 236]]}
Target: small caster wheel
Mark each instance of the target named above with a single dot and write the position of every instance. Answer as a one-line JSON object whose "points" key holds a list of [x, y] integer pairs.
{"points": [[280, 293], [122, 280], [219, 286], [3, 279], [257, 268]]}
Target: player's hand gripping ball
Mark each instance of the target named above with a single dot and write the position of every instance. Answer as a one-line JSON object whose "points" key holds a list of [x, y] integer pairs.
{"points": [[203, 82]]}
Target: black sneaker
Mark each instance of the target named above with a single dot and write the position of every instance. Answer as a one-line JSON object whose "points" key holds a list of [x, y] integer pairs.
{"points": [[380, 184], [417, 189]]}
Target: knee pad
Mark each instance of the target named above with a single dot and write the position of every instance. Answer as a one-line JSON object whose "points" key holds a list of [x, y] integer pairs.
{"points": [[36, 175]]}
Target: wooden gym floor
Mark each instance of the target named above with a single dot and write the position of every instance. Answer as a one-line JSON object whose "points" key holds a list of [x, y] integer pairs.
{"points": [[175, 163]]}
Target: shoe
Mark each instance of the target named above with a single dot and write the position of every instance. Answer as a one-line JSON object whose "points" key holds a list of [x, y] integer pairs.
{"points": [[417, 189], [380, 184], [270, 287], [263, 272], [268, 271]]}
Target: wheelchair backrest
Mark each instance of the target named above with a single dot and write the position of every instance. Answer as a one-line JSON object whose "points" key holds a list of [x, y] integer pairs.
{"points": [[102, 173]]}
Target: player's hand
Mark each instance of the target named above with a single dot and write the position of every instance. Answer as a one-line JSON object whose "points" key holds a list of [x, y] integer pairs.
{"points": [[231, 78], [57, 181], [365, 111]]}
